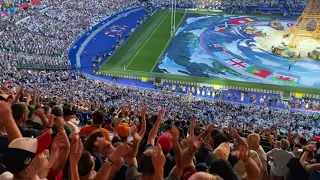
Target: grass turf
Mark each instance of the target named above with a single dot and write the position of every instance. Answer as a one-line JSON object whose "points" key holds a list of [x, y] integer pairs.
{"points": [[141, 52], [149, 53]]}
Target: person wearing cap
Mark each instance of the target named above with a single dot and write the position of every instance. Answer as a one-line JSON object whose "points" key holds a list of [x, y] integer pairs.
{"points": [[6, 98], [123, 130], [69, 115], [97, 120], [165, 141], [26, 157]]}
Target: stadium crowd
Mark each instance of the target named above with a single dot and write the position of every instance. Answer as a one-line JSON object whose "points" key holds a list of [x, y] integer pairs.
{"points": [[57, 124], [44, 32], [140, 134]]}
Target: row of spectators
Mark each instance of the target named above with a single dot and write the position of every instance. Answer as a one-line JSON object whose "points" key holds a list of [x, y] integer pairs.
{"points": [[151, 136]]}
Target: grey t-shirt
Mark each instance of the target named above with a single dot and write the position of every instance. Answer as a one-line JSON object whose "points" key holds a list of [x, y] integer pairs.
{"points": [[280, 159], [133, 174]]}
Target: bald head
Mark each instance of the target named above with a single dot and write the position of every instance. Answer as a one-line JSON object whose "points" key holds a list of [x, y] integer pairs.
{"points": [[254, 141], [204, 176]]}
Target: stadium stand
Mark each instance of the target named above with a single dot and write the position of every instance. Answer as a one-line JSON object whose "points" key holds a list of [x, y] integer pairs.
{"points": [[57, 124]]}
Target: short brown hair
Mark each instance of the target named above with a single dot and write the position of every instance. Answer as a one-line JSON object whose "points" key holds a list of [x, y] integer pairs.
{"points": [[85, 164]]}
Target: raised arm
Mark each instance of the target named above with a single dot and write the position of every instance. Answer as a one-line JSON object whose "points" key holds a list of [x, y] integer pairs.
{"points": [[144, 124], [271, 141], [303, 160], [155, 128], [6, 118], [193, 125], [158, 161], [116, 155], [178, 169], [252, 169], [76, 151], [131, 157]]}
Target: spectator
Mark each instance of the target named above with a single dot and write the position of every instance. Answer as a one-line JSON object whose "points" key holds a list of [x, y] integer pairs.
{"points": [[98, 118]]}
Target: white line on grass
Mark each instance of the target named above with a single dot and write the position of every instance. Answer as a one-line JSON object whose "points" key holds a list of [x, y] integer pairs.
{"points": [[147, 40], [165, 47]]}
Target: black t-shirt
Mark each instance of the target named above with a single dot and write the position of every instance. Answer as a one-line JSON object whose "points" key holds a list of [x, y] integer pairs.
{"points": [[202, 154], [168, 166], [296, 171]]}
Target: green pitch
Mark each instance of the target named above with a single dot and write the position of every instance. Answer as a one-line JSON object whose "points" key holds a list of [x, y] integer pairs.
{"points": [[144, 48], [142, 51]]}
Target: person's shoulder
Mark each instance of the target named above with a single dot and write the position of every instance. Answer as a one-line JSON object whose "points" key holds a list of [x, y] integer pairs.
{"points": [[6, 176]]}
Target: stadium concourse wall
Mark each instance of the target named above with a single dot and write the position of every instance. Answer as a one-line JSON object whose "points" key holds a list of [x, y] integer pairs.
{"points": [[78, 46]]}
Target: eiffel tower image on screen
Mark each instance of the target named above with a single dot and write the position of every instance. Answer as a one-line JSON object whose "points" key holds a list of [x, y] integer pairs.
{"points": [[307, 25]]}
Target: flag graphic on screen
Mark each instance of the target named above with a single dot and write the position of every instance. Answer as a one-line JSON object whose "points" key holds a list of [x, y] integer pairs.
{"points": [[259, 72], [223, 55], [240, 21], [237, 63], [218, 29], [215, 47], [286, 79]]}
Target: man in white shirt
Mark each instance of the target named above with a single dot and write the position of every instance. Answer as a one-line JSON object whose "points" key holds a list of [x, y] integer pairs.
{"points": [[280, 159]]}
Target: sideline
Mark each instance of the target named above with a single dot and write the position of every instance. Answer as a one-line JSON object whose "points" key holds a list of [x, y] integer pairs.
{"points": [[147, 40], [170, 39]]}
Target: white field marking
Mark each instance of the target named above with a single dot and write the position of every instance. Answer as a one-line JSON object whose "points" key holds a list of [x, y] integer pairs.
{"points": [[168, 42], [146, 41]]}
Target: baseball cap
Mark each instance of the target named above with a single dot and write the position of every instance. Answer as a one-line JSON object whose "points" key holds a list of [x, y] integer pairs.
{"points": [[68, 112], [123, 130], [21, 152], [165, 141], [5, 97]]}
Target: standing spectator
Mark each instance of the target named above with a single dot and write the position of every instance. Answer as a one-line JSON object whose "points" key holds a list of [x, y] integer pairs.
{"points": [[280, 158]]}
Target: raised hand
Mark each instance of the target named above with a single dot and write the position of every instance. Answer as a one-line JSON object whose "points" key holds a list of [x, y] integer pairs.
{"points": [[144, 111], [161, 113], [76, 148], [60, 141], [121, 150], [211, 127], [193, 123], [136, 135], [243, 153], [175, 135], [158, 158], [193, 143]]}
